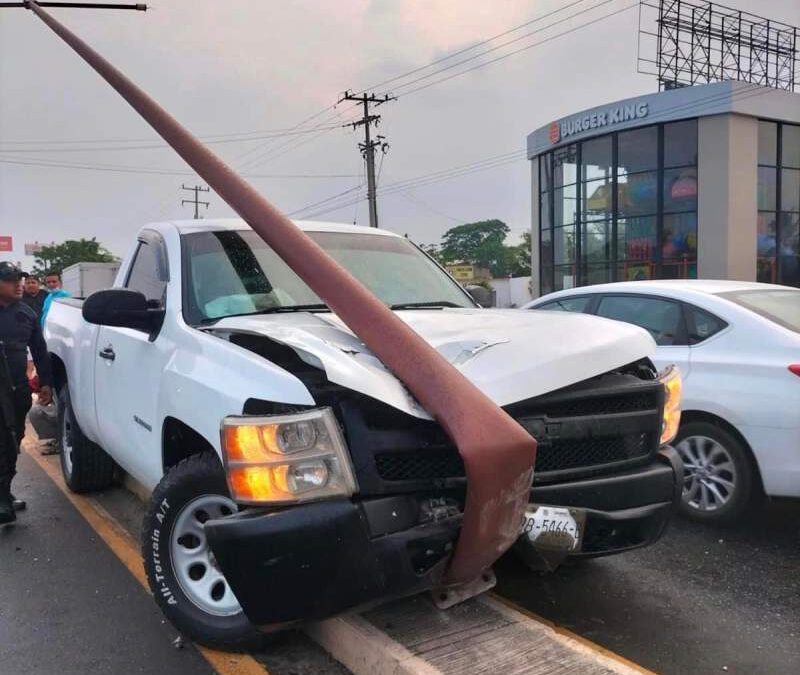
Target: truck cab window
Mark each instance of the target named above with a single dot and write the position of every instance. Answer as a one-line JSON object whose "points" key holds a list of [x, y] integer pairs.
{"points": [[147, 273]]}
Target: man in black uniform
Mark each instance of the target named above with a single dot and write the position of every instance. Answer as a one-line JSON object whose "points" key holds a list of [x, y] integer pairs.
{"points": [[19, 332]]}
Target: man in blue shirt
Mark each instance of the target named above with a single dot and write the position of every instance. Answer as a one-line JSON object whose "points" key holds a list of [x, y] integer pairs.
{"points": [[53, 282]]}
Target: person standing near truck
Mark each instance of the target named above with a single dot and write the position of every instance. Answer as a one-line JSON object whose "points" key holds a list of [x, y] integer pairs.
{"points": [[19, 332], [53, 282], [33, 294]]}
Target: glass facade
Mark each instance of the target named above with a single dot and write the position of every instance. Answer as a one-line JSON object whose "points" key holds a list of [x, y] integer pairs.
{"points": [[619, 207], [778, 236]]}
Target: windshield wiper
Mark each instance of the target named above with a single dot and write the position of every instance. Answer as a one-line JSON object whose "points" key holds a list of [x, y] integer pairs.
{"points": [[319, 307], [271, 310], [428, 304]]}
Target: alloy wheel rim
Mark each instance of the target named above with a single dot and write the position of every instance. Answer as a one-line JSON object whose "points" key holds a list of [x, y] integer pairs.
{"points": [[194, 564], [709, 473]]}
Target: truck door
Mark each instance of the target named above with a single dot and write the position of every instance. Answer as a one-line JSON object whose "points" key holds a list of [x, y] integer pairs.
{"points": [[128, 369]]}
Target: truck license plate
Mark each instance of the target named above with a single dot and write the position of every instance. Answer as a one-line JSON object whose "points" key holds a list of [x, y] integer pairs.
{"points": [[554, 528]]}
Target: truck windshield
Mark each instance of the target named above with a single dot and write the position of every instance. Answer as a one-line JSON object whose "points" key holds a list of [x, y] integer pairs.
{"points": [[235, 272], [778, 305]]}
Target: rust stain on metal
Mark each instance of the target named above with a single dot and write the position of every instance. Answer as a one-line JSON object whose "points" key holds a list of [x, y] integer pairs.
{"points": [[498, 453]]}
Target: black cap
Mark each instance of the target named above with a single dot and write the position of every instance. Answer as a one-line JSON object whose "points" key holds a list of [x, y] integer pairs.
{"points": [[10, 272]]}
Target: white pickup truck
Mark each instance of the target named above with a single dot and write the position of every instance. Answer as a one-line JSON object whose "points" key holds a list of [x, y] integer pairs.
{"points": [[292, 475]]}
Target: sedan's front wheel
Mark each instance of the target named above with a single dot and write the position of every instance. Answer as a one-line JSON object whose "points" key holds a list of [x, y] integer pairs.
{"points": [[717, 473]]}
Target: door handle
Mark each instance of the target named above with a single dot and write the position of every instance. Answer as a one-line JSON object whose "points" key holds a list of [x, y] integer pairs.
{"points": [[107, 353]]}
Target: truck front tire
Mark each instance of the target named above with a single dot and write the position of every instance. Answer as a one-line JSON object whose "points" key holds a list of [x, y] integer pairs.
{"points": [[181, 570], [86, 466]]}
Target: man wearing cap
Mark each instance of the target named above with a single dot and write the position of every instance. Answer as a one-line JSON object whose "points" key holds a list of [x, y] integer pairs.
{"points": [[19, 332]]}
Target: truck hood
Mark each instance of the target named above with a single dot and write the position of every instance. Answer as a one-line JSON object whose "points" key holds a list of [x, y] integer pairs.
{"points": [[511, 355]]}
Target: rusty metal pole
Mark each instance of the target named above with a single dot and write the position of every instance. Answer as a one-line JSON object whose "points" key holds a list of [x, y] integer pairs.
{"points": [[498, 453]]}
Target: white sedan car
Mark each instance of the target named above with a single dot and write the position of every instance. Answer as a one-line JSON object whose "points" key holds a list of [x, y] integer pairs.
{"points": [[737, 345]]}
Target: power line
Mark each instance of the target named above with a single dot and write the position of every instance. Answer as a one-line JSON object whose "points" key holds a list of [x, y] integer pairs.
{"points": [[112, 168], [517, 51], [154, 146], [501, 45], [380, 85]]}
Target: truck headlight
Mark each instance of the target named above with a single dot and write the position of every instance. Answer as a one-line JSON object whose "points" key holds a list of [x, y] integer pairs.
{"points": [[286, 459], [671, 379]]}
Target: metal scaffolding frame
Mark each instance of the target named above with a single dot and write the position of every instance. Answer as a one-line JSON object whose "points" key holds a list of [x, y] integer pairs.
{"points": [[686, 42]]}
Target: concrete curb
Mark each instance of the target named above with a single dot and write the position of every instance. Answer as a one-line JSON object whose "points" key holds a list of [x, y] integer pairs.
{"points": [[365, 650]]}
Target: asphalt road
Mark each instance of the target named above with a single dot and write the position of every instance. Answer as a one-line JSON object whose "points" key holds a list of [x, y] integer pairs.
{"points": [[69, 606], [702, 600]]}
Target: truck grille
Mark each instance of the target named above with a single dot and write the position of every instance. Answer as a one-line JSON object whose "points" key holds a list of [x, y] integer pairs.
{"points": [[578, 433], [550, 457]]}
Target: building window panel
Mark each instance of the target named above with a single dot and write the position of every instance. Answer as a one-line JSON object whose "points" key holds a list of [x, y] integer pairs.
{"points": [[544, 212], [790, 145], [565, 205], [680, 237], [790, 190], [564, 245], [637, 150], [637, 194], [599, 273], [545, 173], [767, 179], [768, 143], [685, 268], [680, 189], [596, 242], [766, 263], [636, 239], [789, 265], [596, 159], [565, 166], [546, 247], [680, 144], [564, 277], [597, 199]]}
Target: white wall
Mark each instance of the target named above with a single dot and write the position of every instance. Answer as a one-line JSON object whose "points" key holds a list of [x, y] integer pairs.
{"points": [[513, 292]]}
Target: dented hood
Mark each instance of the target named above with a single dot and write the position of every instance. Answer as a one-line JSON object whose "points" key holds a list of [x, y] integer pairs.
{"points": [[511, 355]]}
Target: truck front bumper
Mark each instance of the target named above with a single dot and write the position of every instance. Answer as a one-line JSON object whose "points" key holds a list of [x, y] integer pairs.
{"points": [[314, 561]]}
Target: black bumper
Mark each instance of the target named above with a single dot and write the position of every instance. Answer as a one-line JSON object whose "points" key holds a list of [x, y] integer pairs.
{"points": [[625, 510], [313, 561]]}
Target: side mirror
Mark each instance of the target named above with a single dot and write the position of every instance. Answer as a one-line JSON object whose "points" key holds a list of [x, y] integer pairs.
{"points": [[123, 308]]}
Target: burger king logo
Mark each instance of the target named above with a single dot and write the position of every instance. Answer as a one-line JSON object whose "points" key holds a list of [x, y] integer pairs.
{"points": [[555, 132]]}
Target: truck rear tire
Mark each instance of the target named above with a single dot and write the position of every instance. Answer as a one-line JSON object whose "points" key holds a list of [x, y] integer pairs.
{"points": [[85, 465], [181, 569]]}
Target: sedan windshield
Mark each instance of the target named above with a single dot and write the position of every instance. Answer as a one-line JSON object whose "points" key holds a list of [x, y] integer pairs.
{"points": [[235, 272], [777, 305]]}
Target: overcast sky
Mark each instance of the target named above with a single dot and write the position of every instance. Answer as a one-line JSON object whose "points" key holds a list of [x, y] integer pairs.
{"points": [[256, 67]]}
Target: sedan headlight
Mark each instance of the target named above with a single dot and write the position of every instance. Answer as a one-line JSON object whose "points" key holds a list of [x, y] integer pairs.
{"points": [[671, 379], [286, 459]]}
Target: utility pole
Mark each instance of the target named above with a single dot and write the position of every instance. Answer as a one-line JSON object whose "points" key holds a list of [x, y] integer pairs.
{"points": [[368, 146], [197, 189]]}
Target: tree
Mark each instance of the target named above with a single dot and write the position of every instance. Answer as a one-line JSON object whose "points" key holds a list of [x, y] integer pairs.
{"points": [[519, 257], [479, 243], [57, 257]]}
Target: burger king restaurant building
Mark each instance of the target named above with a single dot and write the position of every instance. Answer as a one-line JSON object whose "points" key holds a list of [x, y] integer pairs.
{"points": [[695, 182]]}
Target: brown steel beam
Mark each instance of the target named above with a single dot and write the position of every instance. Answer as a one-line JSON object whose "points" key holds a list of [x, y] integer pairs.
{"points": [[498, 453]]}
